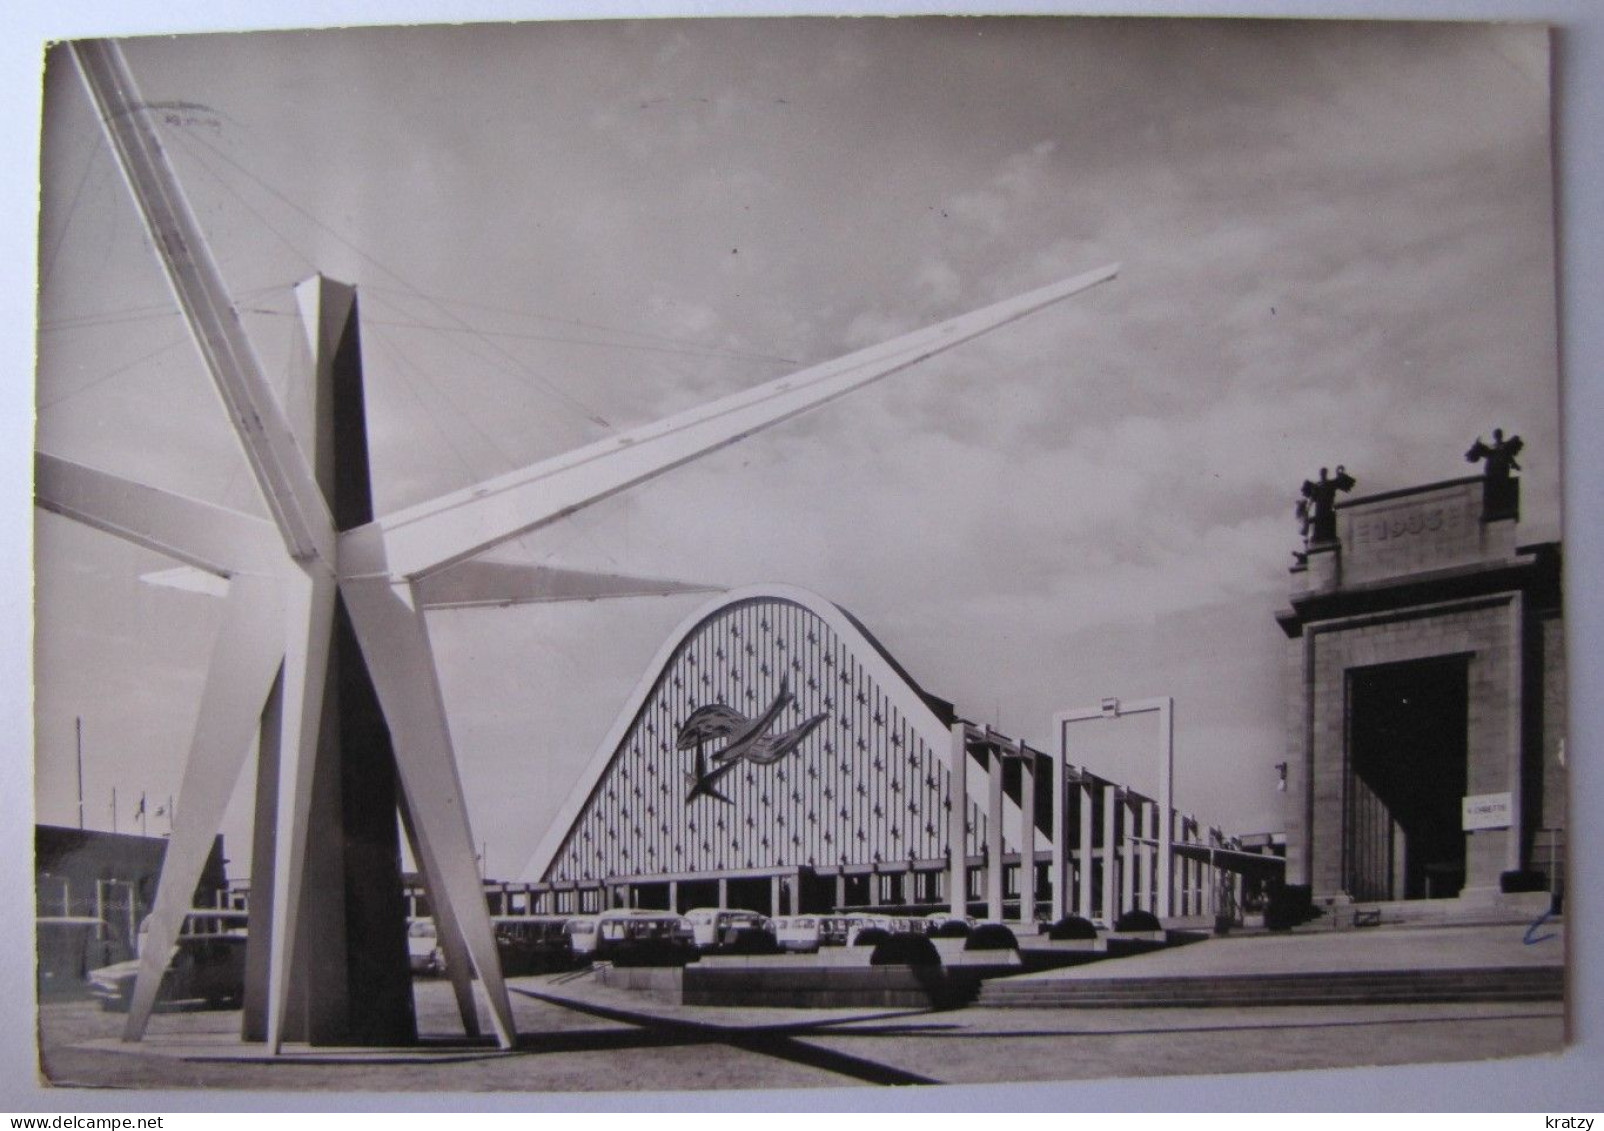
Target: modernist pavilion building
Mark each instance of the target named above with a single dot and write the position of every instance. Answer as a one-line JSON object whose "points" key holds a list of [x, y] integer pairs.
{"points": [[852, 790]]}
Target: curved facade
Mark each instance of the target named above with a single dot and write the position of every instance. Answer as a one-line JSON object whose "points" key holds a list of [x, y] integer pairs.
{"points": [[775, 757], [868, 784]]}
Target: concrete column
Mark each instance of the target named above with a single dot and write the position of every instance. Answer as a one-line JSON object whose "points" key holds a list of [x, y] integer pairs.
{"points": [[1110, 851], [1211, 880], [673, 896], [1169, 900], [774, 896], [1060, 869], [723, 892], [1129, 813], [957, 816], [1083, 902], [1166, 806], [994, 837], [1514, 720], [1189, 866], [1199, 874], [351, 878], [840, 890], [1146, 826], [1183, 873], [1027, 837]]}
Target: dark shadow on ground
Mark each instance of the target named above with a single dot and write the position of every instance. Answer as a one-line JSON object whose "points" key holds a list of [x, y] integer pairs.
{"points": [[780, 1041]]}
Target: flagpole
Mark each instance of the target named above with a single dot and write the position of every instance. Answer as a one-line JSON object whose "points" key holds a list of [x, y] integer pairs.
{"points": [[78, 727]]}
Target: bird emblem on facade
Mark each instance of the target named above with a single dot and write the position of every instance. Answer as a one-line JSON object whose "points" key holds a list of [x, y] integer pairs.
{"points": [[745, 740]]}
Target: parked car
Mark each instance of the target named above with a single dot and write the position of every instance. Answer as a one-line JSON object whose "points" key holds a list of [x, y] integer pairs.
{"points": [[644, 938], [909, 925], [834, 929], [798, 932], [581, 931], [206, 966], [533, 944], [423, 948], [862, 922], [70, 947], [717, 927]]}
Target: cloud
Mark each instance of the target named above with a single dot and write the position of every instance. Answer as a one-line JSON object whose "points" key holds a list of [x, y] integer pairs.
{"points": [[1336, 248]]}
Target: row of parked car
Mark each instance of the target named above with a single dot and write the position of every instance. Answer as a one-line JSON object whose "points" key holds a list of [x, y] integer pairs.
{"points": [[207, 964], [532, 944], [205, 968]]}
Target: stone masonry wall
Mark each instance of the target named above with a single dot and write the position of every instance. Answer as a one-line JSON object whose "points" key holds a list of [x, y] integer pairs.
{"points": [[1483, 629]]}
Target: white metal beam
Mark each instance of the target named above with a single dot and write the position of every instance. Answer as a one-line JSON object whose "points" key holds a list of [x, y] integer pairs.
{"points": [[245, 658], [478, 583], [211, 538], [187, 579], [280, 468], [448, 932], [446, 530], [309, 595], [395, 642]]}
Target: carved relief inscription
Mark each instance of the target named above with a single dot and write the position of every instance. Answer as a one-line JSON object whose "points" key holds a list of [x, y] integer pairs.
{"points": [[1405, 535]]}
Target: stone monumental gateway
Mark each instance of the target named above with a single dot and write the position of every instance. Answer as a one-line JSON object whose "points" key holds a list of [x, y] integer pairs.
{"points": [[1426, 749]]}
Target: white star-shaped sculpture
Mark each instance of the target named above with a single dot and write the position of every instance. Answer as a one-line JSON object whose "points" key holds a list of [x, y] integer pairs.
{"points": [[283, 577]]}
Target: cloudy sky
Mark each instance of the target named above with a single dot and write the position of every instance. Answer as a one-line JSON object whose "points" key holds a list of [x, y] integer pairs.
{"points": [[1337, 248]]}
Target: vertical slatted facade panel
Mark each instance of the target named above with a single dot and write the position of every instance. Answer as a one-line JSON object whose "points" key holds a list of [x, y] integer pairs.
{"points": [[864, 787]]}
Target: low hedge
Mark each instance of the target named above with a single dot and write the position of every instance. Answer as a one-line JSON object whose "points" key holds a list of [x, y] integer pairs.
{"points": [[991, 936], [904, 950], [1522, 881], [1072, 927], [871, 936], [1288, 905], [951, 929], [1137, 920]]}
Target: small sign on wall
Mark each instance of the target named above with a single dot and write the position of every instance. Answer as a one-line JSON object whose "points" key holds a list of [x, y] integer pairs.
{"points": [[1487, 811]]}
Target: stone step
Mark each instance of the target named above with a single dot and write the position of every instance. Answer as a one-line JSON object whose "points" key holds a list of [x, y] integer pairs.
{"points": [[1357, 987], [1442, 993], [1216, 1003], [1470, 976], [1312, 989]]}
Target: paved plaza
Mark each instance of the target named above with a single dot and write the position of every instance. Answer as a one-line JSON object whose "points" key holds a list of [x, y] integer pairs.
{"points": [[579, 1036], [611, 1045]]}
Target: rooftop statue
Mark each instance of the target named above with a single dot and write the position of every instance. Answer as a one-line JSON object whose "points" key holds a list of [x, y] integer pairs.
{"points": [[1500, 454], [1501, 491], [1317, 510]]}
